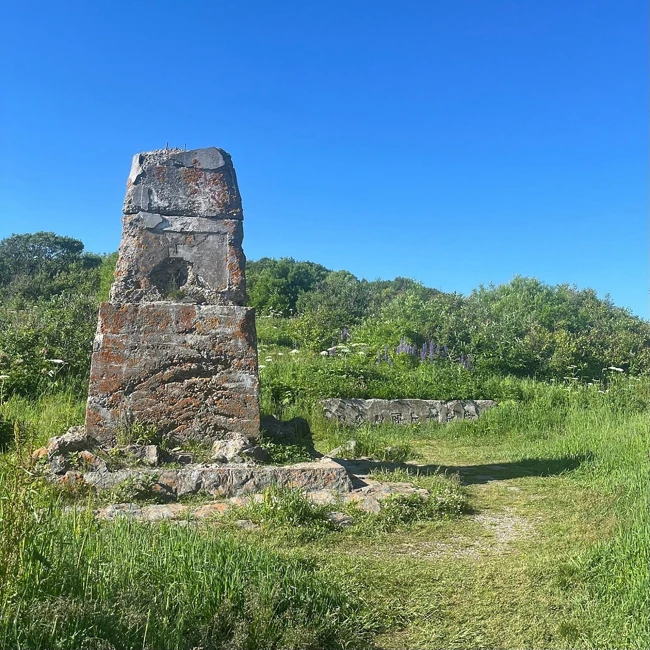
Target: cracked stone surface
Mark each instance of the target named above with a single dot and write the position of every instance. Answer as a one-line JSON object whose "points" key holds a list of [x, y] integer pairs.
{"points": [[182, 230], [190, 371], [328, 486]]}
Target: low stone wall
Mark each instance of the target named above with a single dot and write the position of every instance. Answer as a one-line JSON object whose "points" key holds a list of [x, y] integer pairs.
{"points": [[354, 412]]}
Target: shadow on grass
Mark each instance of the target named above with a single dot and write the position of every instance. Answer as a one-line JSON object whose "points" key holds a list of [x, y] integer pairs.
{"points": [[6, 434], [472, 474]]}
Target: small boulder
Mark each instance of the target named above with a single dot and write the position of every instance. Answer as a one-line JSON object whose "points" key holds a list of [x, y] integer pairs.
{"points": [[39, 453], [246, 499], [340, 519], [150, 455], [76, 439], [322, 497], [348, 448], [71, 480], [230, 450], [59, 464], [365, 503], [91, 462], [119, 510], [210, 509], [256, 453]]}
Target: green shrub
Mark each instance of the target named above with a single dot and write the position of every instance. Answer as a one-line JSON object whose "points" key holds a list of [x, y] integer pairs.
{"points": [[446, 498], [136, 433], [285, 453], [290, 508]]}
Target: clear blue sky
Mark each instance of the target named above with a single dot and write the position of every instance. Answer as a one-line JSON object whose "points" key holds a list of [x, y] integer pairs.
{"points": [[458, 142]]}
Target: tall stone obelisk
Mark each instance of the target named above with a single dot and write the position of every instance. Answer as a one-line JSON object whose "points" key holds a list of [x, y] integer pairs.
{"points": [[175, 347]]}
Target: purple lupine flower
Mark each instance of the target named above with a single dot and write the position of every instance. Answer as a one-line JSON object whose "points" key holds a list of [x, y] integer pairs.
{"points": [[446, 349], [345, 334], [432, 351], [423, 352], [468, 362], [378, 356]]}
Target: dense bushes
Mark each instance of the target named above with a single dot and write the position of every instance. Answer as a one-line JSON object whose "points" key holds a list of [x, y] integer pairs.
{"points": [[524, 328], [49, 296], [50, 290]]}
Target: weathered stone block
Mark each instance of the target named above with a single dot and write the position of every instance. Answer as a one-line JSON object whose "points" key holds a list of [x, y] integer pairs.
{"points": [[189, 370], [180, 259], [175, 348], [402, 411], [197, 183]]}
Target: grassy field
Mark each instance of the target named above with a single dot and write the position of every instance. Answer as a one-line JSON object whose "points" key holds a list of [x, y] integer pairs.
{"points": [[549, 550]]}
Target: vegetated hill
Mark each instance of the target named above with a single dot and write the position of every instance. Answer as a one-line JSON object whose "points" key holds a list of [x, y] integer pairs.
{"points": [[525, 327], [50, 292]]}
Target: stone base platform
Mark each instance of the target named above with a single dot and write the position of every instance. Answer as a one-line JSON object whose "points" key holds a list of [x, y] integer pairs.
{"points": [[222, 481]]}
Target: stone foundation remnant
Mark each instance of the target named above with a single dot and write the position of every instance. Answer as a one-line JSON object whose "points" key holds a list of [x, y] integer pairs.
{"points": [[354, 412], [175, 350]]}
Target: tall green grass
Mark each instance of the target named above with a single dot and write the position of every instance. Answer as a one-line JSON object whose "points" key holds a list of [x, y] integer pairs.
{"points": [[302, 378], [69, 582], [37, 420], [594, 435]]}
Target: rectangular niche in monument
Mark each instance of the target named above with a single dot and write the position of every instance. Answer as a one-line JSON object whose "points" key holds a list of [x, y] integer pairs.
{"points": [[175, 347]]}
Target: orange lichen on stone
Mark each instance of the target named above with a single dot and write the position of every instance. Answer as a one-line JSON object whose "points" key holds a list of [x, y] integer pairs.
{"points": [[175, 347]]}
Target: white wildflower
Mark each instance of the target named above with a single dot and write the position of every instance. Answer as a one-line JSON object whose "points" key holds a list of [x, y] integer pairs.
{"points": [[615, 369]]}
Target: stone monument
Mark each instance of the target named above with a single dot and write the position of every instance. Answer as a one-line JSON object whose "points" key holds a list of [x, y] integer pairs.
{"points": [[175, 348]]}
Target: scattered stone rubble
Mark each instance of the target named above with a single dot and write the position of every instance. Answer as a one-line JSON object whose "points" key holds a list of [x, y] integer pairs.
{"points": [[367, 499], [74, 460], [354, 412]]}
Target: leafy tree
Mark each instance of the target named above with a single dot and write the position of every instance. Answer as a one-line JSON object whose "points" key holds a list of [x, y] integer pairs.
{"points": [[339, 301], [529, 328], [42, 264], [49, 295], [277, 285]]}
